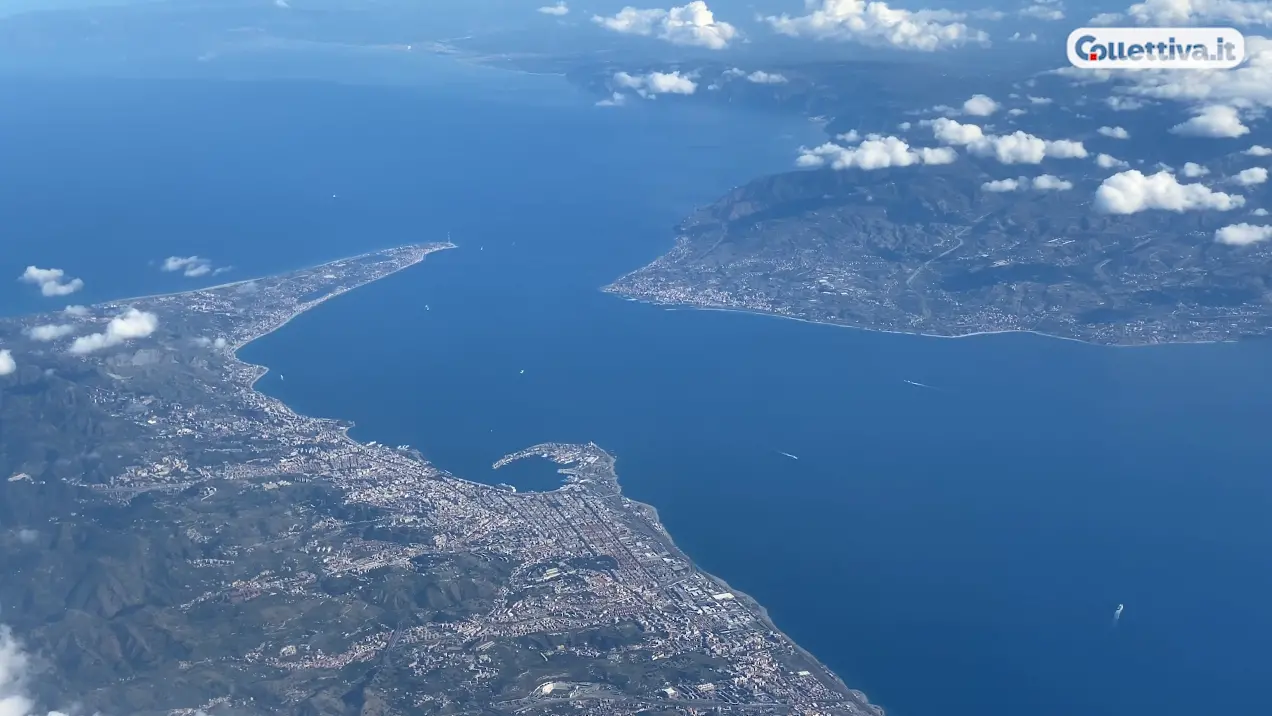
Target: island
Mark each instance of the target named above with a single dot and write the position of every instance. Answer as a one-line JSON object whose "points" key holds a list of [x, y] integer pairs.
{"points": [[929, 250], [176, 542]]}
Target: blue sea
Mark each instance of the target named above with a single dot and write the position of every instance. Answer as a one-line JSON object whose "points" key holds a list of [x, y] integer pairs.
{"points": [[953, 550]]}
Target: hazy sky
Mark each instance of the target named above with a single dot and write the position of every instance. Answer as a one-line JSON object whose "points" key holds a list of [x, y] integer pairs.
{"points": [[735, 9]]}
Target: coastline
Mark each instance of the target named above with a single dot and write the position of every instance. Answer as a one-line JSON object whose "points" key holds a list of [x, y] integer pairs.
{"points": [[648, 514], [440, 246], [751, 603], [974, 334], [638, 510], [263, 370]]}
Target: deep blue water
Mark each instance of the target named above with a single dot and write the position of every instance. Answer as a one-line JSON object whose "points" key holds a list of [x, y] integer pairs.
{"points": [[948, 551]]}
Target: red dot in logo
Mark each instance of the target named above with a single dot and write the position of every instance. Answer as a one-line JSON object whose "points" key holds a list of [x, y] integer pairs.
{"points": [[1094, 57]]}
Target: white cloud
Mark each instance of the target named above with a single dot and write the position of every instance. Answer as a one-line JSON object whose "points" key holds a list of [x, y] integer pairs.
{"points": [[1132, 191], [189, 266], [1016, 112], [1038, 100], [1251, 176], [7, 366], [1050, 182], [1243, 234], [559, 9], [1043, 182], [656, 83], [761, 77], [75, 310], [1192, 170], [1247, 88], [875, 23], [617, 99], [1043, 11], [50, 331], [26, 536], [1260, 212], [126, 326], [1176, 13], [16, 668], [690, 24], [50, 281], [1002, 185], [204, 342], [904, 126], [874, 153], [1104, 161], [1015, 148], [1114, 132], [852, 136], [949, 131], [1124, 104], [1216, 120], [1258, 151], [980, 106], [14, 665], [1017, 37]]}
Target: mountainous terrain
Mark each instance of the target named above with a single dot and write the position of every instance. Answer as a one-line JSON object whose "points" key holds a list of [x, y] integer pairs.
{"points": [[929, 250]]}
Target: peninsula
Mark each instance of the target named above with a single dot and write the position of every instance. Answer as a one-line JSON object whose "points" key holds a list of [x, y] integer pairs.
{"points": [[930, 250], [179, 543]]}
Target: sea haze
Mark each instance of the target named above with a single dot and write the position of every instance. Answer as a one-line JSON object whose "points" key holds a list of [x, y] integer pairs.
{"points": [[955, 549]]}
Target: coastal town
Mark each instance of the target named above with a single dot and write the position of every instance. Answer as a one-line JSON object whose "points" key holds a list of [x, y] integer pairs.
{"points": [[938, 255], [343, 561]]}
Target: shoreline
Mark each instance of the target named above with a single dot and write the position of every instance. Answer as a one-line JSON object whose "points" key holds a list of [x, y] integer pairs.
{"points": [[262, 370], [751, 602], [345, 425], [975, 334], [634, 507], [441, 246]]}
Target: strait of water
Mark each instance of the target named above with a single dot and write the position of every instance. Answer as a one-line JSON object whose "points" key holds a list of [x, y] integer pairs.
{"points": [[955, 550]]}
